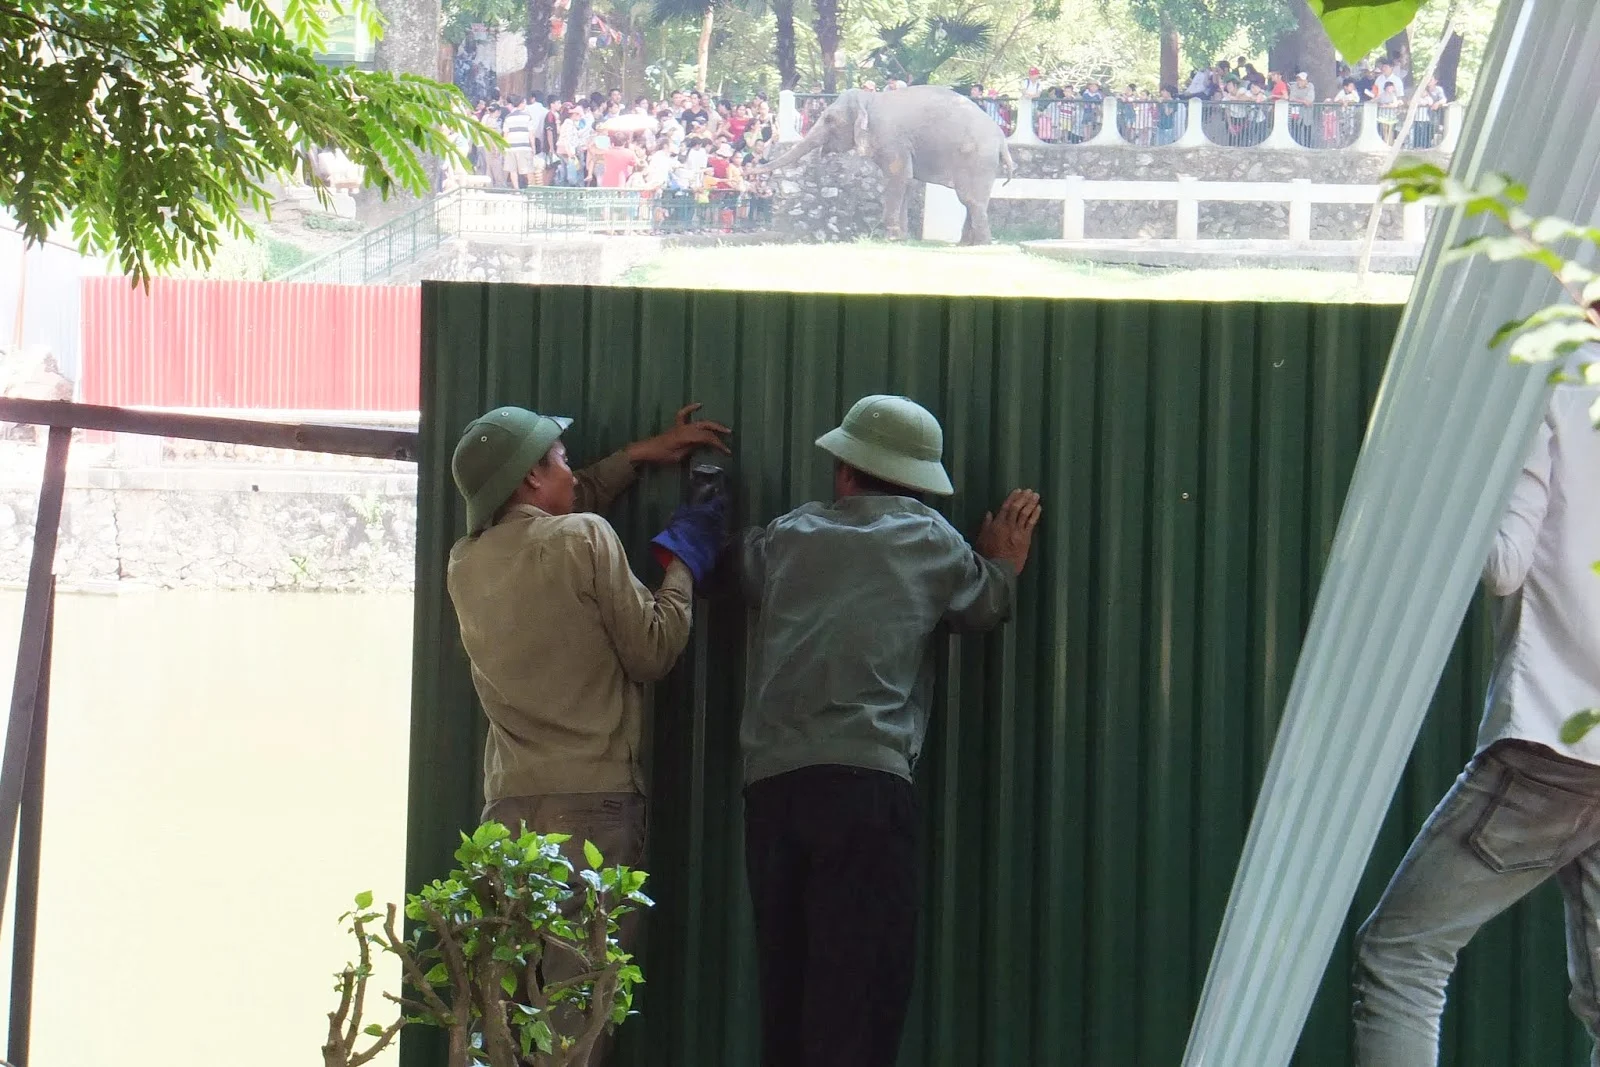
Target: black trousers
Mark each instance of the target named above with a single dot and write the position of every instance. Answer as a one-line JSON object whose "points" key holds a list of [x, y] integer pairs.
{"points": [[831, 854]]}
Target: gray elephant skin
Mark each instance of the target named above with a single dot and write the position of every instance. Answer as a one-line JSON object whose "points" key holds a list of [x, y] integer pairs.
{"points": [[920, 133]]}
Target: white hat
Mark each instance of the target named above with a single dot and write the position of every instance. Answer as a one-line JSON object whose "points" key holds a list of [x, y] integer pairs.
{"points": [[1302, 74], [725, 151]]}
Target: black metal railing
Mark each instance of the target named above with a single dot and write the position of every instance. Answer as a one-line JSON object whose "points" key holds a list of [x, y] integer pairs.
{"points": [[1237, 123], [1057, 121], [1151, 123]]}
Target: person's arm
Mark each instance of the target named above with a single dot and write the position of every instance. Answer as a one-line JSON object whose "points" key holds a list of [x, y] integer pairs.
{"points": [[986, 574], [1511, 555], [601, 483], [648, 631]]}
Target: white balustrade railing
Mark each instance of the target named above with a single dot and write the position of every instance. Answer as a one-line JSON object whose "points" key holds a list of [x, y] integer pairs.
{"points": [[943, 216], [1275, 125]]}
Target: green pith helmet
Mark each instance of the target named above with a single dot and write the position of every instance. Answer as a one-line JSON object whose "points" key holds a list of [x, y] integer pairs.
{"points": [[495, 453], [892, 438]]}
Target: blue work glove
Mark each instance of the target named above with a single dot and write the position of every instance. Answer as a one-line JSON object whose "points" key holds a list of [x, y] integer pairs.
{"points": [[695, 535]]}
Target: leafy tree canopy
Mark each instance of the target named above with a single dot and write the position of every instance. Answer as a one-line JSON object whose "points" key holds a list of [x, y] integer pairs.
{"points": [[1209, 27], [148, 125]]}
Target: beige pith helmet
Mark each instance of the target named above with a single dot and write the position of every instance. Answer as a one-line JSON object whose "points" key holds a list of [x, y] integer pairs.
{"points": [[495, 453], [893, 438]]}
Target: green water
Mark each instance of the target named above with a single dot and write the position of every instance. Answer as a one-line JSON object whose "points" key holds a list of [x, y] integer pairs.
{"points": [[226, 771]]}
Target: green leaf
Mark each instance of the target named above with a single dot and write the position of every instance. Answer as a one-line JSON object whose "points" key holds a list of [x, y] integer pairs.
{"points": [[439, 974], [1357, 27], [364, 899], [374, 1030], [1579, 725], [592, 854], [1553, 341], [508, 984], [1553, 313]]}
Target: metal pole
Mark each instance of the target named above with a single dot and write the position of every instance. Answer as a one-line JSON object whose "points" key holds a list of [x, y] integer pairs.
{"points": [[25, 928], [31, 647]]}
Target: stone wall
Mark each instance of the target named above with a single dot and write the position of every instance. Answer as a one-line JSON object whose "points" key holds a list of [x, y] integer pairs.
{"points": [[576, 259], [222, 529], [838, 197], [834, 198]]}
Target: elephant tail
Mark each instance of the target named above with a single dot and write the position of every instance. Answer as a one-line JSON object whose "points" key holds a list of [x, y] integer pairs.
{"points": [[1006, 163]]}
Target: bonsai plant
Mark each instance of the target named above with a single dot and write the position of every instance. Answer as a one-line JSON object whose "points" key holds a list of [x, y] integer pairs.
{"points": [[472, 963]]}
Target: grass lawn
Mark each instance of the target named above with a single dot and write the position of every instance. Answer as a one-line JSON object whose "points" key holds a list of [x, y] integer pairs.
{"points": [[999, 270]]}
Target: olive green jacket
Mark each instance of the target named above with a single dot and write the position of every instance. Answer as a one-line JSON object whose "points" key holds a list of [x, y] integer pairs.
{"points": [[563, 640]]}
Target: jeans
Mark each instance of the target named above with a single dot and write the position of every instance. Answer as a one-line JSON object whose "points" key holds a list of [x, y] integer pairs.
{"points": [[831, 853], [615, 822], [1518, 814]]}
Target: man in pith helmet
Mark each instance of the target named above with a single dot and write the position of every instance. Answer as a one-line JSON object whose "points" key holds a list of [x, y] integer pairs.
{"points": [[849, 597], [562, 637]]}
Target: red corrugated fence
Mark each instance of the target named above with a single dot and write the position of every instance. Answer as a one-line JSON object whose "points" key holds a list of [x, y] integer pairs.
{"points": [[245, 344]]}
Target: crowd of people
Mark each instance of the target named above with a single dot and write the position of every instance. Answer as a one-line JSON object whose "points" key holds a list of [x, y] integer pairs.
{"points": [[694, 151], [1243, 99], [689, 149]]}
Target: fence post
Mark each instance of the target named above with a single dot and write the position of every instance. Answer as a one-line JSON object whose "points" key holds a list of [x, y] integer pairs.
{"points": [[1109, 134], [1188, 221], [1194, 128], [1370, 140], [1024, 133], [788, 116], [1300, 210], [1453, 114], [1280, 137], [1072, 209], [1413, 223]]}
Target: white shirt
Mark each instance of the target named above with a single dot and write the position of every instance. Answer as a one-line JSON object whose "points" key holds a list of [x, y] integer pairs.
{"points": [[536, 115], [1547, 661], [1394, 80]]}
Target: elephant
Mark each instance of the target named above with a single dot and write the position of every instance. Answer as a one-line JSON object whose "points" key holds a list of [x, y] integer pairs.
{"points": [[923, 133]]}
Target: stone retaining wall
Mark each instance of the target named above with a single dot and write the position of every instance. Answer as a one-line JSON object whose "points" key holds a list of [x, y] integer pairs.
{"points": [[222, 529], [834, 198]]}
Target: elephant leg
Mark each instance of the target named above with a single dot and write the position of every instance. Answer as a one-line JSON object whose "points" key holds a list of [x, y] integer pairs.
{"points": [[894, 202], [976, 231]]}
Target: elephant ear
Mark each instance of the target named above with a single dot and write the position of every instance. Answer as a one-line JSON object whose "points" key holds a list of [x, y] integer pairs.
{"points": [[861, 125]]}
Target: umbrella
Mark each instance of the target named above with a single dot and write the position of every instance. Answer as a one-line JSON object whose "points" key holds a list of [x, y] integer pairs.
{"points": [[630, 124]]}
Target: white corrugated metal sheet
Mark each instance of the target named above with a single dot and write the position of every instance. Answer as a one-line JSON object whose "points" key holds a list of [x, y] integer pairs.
{"points": [[1448, 435]]}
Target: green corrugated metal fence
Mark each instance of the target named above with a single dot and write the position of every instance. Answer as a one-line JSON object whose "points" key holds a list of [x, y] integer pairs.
{"points": [[1091, 769]]}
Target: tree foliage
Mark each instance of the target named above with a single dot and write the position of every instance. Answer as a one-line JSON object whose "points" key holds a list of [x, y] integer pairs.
{"points": [[1209, 28], [146, 127], [915, 50]]}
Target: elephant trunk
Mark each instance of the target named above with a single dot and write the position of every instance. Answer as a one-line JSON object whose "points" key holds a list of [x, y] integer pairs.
{"points": [[809, 143]]}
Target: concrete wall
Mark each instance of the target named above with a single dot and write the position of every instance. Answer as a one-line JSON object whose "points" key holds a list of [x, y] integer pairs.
{"points": [[837, 197], [216, 528]]}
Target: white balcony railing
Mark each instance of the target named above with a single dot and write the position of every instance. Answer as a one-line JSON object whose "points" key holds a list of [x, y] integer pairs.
{"points": [[1275, 125]]}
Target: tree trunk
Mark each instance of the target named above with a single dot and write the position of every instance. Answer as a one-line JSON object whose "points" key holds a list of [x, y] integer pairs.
{"points": [[409, 45], [1449, 65], [410, 41], [828, 43], [704, 55], [1398, 49], [536, 75], [575, 49], [1306, 48], [1171, 46], [788, 68]]}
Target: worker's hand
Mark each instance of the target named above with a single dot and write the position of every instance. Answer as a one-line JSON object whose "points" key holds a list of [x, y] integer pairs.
{"points": [[1007, 536], [685, 437]]}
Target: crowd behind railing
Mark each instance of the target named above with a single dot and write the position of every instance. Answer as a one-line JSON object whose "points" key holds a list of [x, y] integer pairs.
{"points": [[1238, 105], [684, 163]]}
